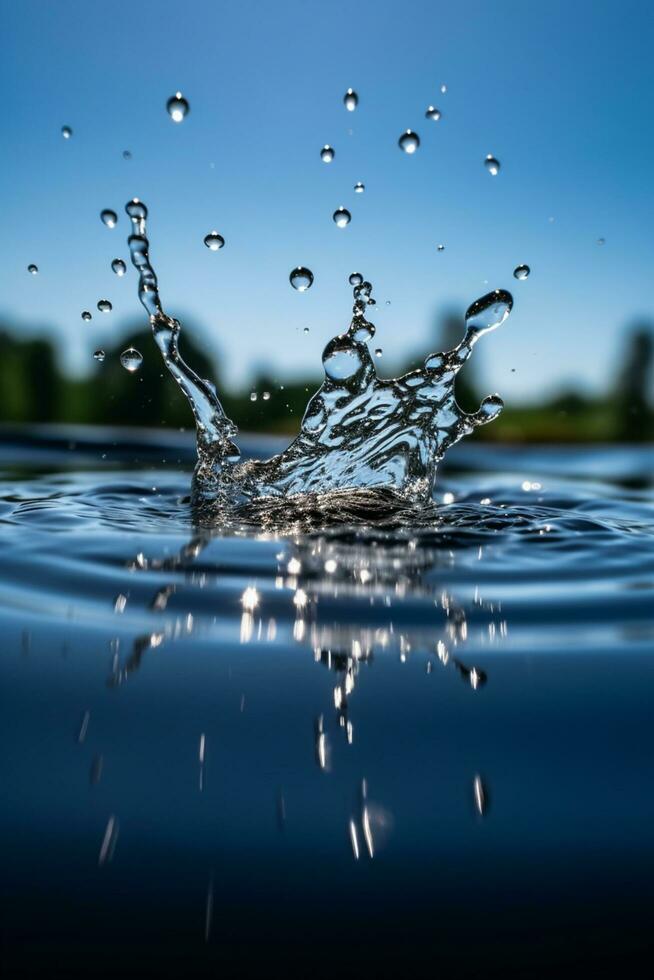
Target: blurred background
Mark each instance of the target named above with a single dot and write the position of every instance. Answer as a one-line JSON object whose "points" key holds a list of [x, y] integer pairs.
{"points": [[560, 94]]}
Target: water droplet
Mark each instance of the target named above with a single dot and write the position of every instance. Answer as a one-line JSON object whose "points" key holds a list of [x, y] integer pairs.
{"points": [[379, 352], [409, 141], [253, 396], [342, 217], [440, 248], [66, 132], [131, 359], [86, 315], [489, 311], [136, 210], [355, 279], [443, 89], [306, 330], [521, 272], [214, 241], [177, 107], [492, 165], [109, 218], [104, 306], [359, 188], [601, 241], [433, 113], [127, 155], [327, 153], [119, 267], [266, 396], [99, 353], [33, 269], [301, 279], [350, 100]]}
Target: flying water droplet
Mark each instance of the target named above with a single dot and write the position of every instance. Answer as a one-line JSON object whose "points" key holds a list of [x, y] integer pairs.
{"points": [[492, 165], [104, 306], [443, 89], [214, 241], [342, 217], [521, 272], [136, 210], [306, 330], [379, 352], [266, 396], [601, 241], [66, 132], [33, 269], [301, 279], [131, 359], [355, 279], [86, 315], [359, 188], [488, 312], [253, 396], [440, 248], [433, 113], [350, 100], [409, 141], [109, 218], [327, 153], [119, 267], [177, 107], [99, 354], [127, 155]]}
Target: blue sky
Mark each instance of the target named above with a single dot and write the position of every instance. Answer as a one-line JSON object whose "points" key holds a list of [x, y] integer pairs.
{"points": [[560, 92]]}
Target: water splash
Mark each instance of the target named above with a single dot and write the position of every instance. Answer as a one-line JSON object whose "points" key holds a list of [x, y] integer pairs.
{"points": [[360, 432]]}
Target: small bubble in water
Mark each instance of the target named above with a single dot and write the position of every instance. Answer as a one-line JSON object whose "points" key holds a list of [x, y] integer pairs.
{"points": [[350, 100], [521, 272], [131, 359], [66, 132], [492, 165], [177, 107], [99, 354], [253, 396], [359, 188], [409, 141], [306, 330], [301, 279], [266, 396], [601, 241], [119, 267], [109, 218], [379, 352], [327, 153], [127, 154], [433, 113], [355, 279], [342, 217], [214, 241], [440, 248], [32, 269], [104, 306], [86, 315]]}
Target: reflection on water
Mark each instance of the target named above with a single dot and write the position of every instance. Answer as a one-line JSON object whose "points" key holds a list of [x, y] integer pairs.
{"points": [[220, 736]]}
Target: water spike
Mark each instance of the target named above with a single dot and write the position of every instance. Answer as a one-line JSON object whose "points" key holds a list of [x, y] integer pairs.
{"points": [[214, 429], [487, 313]]}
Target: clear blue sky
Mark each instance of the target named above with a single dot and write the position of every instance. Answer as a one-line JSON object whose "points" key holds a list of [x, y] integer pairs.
{"points": [[561, 92]]}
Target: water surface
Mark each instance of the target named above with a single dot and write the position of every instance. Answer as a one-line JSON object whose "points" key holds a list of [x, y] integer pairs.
{"points": [[324, 752]]}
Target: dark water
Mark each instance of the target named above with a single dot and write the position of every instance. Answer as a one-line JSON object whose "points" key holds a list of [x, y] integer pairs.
{"points": [[426, 753]]}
